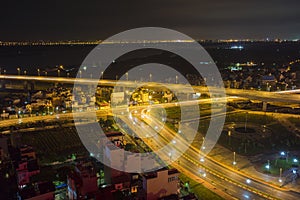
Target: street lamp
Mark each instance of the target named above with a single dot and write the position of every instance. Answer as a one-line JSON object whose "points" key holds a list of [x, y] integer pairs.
{"points": [[58, 73], [246, 119], [176, 79], [234, 159], [38, 71], [46, 73], [280, 175], [102, 75], [126, 76], [18, 71], [268, 166], [80, 73], [203, 147], [25, 72], [150, 77], [229, 137]]}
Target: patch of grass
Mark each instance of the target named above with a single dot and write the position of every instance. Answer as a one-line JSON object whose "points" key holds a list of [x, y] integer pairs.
{"points": [[276, 164], [295, 121], [253, 118], [199, 190], [54, 144]]}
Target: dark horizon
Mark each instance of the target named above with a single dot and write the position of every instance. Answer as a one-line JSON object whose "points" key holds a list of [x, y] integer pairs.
{"points": [[95, 20]]}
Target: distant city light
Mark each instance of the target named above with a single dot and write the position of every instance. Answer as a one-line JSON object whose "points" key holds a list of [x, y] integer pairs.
{"points": [[237, 47]]}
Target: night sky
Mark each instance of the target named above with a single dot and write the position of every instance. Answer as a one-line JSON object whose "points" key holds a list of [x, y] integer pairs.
{"points": [[98, 19]]}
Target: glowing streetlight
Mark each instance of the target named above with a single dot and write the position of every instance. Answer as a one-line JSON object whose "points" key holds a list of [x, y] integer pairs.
{"points": [[58, 73], [18, 71], [234, 159], [268, 166], [38, 71], [150, 77], [126, 76], [280, 175]]}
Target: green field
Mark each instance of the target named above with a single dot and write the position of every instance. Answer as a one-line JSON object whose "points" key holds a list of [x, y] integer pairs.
{"points": [[54, 144], [199, 190]]}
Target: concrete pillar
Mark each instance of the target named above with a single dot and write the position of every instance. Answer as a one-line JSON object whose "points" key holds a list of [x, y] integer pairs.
{"points": [[264, 107]]}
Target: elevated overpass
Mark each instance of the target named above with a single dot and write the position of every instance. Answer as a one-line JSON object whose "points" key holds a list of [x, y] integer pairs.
{"points": [[279, 97]]}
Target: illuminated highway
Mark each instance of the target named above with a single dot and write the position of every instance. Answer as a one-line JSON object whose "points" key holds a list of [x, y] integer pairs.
{"points": [[251, 94], [236, 183]]}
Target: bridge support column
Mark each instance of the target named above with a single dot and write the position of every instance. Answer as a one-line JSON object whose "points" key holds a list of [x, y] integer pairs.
{"points": [[264, 106]]}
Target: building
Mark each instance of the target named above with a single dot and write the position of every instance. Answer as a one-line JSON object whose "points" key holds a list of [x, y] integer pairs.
{"points": [[82, 181], [27, 166], [3, 147], [39, 191], [161, 183]]}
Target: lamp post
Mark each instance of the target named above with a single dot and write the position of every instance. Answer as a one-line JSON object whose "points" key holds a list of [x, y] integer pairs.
{"points": [[229, 137], [234, 158], [18, 71], [102, 75], [38, 71], [268, 166], [58, 73], [280, 175], [150, 77], [176, 79], [25, 72], [203, 143], [246, 119], [46, 73], [126, 76]]}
